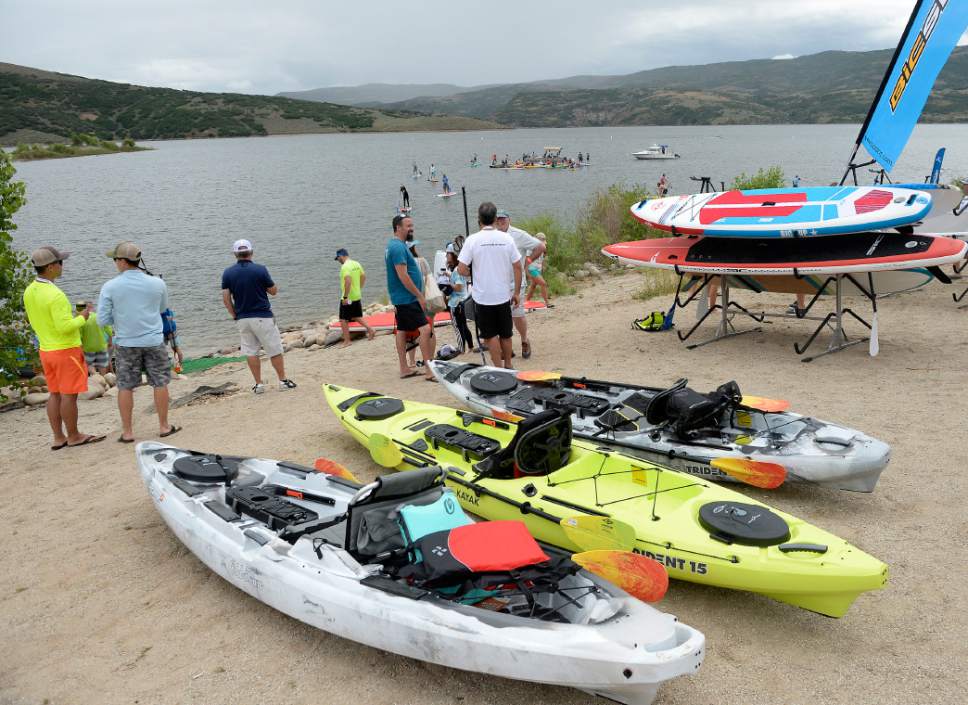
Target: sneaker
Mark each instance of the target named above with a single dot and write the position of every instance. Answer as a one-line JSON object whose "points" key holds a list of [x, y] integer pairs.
{"points": [[258, 388], [285, 384]]}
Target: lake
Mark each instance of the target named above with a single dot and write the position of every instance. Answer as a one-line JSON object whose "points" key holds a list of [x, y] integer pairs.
{"points": [[300, 197]]}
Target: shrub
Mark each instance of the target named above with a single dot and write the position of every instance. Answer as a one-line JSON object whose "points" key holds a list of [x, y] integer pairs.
{"points": [[763, 178], [15, 275]]}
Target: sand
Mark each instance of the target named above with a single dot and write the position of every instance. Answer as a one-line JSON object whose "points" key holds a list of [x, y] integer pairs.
{"points": [[99, 603]]}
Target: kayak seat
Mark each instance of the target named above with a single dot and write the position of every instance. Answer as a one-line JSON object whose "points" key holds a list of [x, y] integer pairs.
{"points": [[684, 410], [372, 523], [555, 398], [541, 445], [471, 446], [483, 549], [416, 521]]}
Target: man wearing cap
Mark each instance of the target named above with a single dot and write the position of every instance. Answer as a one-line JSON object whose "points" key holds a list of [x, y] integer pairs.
{"points": [[246, 288], [498, 277], [530, 249], [405, 287], [132, 303], [61, 356], [351, 281]]}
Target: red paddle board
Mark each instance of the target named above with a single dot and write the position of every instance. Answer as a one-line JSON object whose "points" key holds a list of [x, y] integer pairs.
{"points": [[862, 252], [386, 321]]}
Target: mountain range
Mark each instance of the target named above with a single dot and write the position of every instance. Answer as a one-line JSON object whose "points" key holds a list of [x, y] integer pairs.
{"points": [[832, 86]]}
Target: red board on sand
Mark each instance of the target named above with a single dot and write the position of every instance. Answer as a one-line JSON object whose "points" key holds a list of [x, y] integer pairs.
{"points": [[386, 321], [862, 252]]}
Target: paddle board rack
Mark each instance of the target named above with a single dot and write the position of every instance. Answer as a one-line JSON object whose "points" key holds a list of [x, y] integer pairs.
{"points": [[833, 320]]}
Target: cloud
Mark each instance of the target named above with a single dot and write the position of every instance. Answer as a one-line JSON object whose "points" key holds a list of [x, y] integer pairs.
{"points": [[269, 47], [783, 57]]}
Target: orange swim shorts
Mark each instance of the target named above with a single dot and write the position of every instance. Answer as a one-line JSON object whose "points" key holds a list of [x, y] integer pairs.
{"points": [[65, 370]]}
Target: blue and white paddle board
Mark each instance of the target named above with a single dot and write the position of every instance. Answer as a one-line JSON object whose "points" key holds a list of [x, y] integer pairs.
{"points": [[796, 212]]}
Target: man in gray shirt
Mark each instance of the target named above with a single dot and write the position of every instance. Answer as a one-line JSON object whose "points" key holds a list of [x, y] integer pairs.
{"points": [[530, 248]]}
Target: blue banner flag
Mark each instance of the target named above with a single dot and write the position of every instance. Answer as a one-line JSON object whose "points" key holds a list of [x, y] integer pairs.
{"points": [[936, 171], [932, 32]]}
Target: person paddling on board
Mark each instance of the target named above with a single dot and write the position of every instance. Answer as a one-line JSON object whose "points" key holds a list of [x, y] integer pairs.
{"points": [[433, 172], [405, 197], [796, 181], [446, 184]]}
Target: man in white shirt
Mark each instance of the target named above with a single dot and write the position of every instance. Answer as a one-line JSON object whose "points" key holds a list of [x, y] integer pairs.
{"points": [[498, 277], [530, 248]]}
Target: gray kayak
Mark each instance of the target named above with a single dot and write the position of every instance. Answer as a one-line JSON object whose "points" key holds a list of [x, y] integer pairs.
{"points": [[679, 427]]}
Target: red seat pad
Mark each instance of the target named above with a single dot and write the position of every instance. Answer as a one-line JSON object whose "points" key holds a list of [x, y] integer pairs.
{"points": [[492, 546]]}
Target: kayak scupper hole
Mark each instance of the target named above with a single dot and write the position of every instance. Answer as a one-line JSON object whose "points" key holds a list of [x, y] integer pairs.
{"points": [[627, 673], [259, 498]]}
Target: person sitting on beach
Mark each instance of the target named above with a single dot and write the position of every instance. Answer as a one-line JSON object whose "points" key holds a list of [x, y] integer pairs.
{"points": [[59, 338], [132, 302], [246, 288], [405, 287], [352, 278], [535, 265], [497, 282], [95, 340]]}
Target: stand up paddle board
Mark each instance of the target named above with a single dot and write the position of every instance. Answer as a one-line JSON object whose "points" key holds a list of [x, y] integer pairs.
{"points": [[448, 194], [785, 213], [883, 283], [863, 252]]}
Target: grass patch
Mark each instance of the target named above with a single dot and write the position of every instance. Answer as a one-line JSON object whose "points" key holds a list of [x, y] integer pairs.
{"points": [[656, 282], [29, 152]]}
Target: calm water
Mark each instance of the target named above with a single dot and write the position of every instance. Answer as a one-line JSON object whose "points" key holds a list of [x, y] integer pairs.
{"points": [[299, 198]]}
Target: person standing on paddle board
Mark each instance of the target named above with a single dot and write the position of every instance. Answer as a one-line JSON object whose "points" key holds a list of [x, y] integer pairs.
{"points": [[405, 197], [405, 288], [446, 184], [352, 278], [530, 248], [497, 282], [433, 172]]}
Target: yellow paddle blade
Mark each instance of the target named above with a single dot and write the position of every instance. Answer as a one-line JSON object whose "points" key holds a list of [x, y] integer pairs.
{"points": [[384, 451], [537, 376], [764, 404], [591, 533], [639, 576], [331, 467], [767, 476]]}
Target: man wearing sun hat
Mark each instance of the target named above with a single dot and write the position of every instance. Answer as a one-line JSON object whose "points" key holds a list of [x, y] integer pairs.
{"points": [[246, 288], [132, 303], [59, 334]]}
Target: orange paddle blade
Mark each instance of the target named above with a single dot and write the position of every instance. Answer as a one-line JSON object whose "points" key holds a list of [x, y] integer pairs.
{"points": [[538, 376], [331, 467], [506, 415], [639, 576], [767, 476], [764, 404]]}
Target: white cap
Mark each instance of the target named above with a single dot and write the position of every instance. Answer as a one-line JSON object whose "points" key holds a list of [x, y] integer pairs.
{"points": [[241, 246]]}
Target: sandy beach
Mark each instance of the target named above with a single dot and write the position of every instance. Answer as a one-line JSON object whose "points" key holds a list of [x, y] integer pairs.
{"points": [[101, 604]]}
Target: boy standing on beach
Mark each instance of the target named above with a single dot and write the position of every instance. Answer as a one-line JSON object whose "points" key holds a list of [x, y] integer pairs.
{"points": [[59, 335], [132, 302], [95, 340], [246, 288], [351, 281]]}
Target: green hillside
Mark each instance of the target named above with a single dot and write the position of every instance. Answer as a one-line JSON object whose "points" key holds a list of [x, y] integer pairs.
{"points": [[39, 105]]}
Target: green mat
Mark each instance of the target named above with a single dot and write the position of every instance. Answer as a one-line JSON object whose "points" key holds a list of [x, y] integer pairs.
{"points": [[200, 364]]}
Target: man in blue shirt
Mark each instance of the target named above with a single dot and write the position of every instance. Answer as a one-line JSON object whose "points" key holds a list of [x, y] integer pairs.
{"points": [[132, 303], [246, 288], [405, 287]]}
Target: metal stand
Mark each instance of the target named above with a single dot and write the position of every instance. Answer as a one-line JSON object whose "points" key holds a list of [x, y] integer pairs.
{"points": [[707, 184], [959, 297], [839, 341], [725, 329]]}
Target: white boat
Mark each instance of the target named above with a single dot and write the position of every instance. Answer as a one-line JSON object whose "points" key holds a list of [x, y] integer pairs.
{"points": [[656, 151], [329, 552]]}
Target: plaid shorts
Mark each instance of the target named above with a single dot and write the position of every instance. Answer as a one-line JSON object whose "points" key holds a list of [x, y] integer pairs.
{"points": [[131, 361], [97, 359]]}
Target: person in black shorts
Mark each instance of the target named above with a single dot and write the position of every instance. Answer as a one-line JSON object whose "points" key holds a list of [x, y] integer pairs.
{"points": [[351, 281], [405, 287]]}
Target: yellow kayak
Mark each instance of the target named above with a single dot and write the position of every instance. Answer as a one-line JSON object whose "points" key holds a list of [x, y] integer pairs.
{"points": [[534, 471]]}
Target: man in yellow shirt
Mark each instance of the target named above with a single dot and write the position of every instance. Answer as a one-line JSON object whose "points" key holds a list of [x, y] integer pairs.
{"points": [[351, 281], [59, 333]]}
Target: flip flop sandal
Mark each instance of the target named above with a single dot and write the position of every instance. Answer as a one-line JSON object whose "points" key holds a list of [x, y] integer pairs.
{"points": [[172, 431], [62, 445], [122, 439], [414, 373], [87, 441]]}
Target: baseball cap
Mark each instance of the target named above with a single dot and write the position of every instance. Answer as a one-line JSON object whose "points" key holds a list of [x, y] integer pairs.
{"points": [[241, 246], [125, 250], [47, 254], [341, 252], [81, 303], [503, 214], [451, 248]]}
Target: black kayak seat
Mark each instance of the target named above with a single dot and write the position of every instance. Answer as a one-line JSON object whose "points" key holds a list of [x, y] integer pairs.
{"points": [[541, 445], [685, 409]]}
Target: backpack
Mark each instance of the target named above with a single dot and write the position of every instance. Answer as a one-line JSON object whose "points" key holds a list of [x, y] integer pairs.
{"points": [[654, 322]]}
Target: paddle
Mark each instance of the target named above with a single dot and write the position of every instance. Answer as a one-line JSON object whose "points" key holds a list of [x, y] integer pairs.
{"points": [[331, 467], [383, 451], [764, 404], [594, 533], [767, 476], [538, 376], [639, 576]]}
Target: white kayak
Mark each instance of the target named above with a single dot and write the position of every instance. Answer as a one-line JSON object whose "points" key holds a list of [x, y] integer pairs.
{"points": [[329, 552], [680, 428]]}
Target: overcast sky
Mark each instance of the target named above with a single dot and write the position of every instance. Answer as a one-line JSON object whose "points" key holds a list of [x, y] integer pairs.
{"points": [[267, 47]]}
